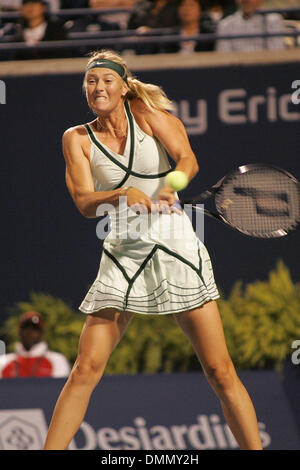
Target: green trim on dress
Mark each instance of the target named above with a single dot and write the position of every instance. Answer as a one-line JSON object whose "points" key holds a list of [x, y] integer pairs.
{"points": [[128, 170], [142, 267]]}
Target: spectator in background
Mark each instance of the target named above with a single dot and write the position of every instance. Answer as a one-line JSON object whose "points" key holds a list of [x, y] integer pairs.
{"points": [[148, 14], [214, 10], [32, 357], [91, 24], [191, 24], [246, 21], [100, 22], [219, 8], [7, 5], [120, 18], [36, 27]]}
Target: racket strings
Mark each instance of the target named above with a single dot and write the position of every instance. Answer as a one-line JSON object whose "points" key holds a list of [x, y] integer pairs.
{"points": [[263, 202]]}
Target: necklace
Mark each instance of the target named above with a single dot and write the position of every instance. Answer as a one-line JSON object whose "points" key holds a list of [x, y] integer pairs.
{"points": [[117, 131]]}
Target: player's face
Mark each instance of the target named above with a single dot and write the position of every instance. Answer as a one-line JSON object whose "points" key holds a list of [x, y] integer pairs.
{"points": [[105, 90], [249, 6]]}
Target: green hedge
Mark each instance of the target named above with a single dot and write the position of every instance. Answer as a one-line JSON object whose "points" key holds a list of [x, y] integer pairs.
{"points": [[261, 320]]}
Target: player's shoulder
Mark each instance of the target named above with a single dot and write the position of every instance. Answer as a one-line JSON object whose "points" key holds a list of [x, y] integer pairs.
{"points": [[138, 106], [143, 115], [152, 120], [148, 113], [74, 133]]}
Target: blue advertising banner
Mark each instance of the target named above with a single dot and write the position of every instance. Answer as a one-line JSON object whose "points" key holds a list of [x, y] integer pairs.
{"points": [[146, 412]]}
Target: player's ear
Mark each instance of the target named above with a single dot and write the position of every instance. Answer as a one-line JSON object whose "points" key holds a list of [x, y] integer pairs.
{"points": [[124, 90]]}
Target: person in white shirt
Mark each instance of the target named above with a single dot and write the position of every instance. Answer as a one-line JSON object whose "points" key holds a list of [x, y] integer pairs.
{"points": [[35, 26], [32, 357], [248, 21]]}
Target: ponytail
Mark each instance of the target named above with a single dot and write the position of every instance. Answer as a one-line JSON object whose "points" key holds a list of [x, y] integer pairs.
{"points": [[152, 95]]}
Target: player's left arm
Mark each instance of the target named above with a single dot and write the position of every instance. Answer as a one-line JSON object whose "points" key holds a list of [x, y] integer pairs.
{"points": [[170, 131]]}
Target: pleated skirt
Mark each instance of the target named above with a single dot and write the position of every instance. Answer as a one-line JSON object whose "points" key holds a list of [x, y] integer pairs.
{"points": [[159, 267]]}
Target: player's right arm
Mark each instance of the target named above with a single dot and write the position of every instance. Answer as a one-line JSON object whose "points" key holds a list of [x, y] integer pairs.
{"points": [[78, 175], [79, 179]]}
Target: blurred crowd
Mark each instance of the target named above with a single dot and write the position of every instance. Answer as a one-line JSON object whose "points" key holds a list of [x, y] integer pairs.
{"points": [[32, 22]]}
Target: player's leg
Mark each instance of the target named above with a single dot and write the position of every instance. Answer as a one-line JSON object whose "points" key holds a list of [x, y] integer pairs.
{"points": [[100, 335], [203, 327]]}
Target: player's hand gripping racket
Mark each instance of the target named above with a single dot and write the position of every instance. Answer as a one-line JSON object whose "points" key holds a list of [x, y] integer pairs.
{"points": [[258, 200]]}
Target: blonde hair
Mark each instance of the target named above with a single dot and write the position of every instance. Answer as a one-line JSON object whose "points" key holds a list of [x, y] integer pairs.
{"points": [[152, 95]]}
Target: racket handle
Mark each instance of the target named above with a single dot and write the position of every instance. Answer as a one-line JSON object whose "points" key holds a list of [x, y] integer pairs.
{"points": [[199, 198]]}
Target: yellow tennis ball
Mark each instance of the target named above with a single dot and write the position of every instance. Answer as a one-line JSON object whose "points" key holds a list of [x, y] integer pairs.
{"points": [[177, 180]]}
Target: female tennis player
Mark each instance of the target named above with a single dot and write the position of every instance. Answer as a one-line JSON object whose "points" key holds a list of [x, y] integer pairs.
{"points": [[123, 152]]}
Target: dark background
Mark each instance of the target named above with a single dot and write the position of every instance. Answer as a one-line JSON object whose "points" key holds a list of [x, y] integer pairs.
{"points": [[48, 246]]}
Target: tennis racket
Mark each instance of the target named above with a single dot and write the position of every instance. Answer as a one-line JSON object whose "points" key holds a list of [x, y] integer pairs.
{"points": [[259, 200]]}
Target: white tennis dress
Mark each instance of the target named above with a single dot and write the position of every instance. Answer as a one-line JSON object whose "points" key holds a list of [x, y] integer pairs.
{"points": [[150, 264]]}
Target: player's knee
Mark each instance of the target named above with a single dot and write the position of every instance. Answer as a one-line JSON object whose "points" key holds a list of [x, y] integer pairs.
{"points": [[222, 376], [87, 372]]}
